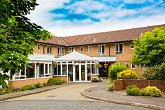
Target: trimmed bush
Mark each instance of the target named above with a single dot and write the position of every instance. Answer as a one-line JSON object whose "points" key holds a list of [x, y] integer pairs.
{"points": [[148, 91], [28, 87], [113, 70], [133, 90], [96, 79], [152, 91], [127, 74], [54, 81]]}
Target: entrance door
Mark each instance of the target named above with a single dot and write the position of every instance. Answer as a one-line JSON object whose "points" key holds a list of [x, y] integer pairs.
{"points": [[79, 72]]}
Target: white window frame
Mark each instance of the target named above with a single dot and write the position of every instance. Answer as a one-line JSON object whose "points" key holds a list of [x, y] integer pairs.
{"points": [[61, 51], [132, 66], [49, 49], [119, 52], [82, 49], [71, 49], [132, 46], [38, 47], [101, 52], [89, 49]]}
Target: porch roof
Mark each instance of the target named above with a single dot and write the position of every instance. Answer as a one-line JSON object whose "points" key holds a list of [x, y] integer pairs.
{"points": [[75, 56], [41, 57], [105, 59]]}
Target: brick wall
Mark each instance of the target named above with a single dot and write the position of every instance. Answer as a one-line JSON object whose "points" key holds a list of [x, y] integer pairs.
{"points": [[20, 83], [122, 84], [64, 78]]}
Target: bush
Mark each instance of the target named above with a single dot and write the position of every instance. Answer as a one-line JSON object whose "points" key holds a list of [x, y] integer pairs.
{"points": [[54, 81], [133, 90], [152, 91], [28, 87], [150, 73], [127, 74], [161, 75], [96, 79], [113, 70], [110, 87], [5, 90], [38, 85]]}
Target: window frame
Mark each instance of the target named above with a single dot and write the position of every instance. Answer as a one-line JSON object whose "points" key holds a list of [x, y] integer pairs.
{"points": [[132, 66], [60, 51], [132, 46], [89, 47], [49, 49], [82, 49], [117, 48], [71, 49], [101, 49], [38, 47]]}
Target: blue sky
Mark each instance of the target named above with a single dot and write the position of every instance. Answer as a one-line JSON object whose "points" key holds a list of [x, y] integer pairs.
{"points": [[72, 17]]}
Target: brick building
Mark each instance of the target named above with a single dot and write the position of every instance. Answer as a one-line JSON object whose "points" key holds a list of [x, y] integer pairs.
{"points": [[107, 47]]}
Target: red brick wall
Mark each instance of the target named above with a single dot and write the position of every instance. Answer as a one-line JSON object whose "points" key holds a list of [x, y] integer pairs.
{"points": [[122, 84]]}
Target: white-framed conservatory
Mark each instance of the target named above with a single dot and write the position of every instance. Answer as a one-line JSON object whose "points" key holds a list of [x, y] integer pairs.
{"points": [[40, 67], [75, 67]]}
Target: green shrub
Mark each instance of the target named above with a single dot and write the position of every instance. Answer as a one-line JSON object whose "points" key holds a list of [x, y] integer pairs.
{"points": [[127, 74], [28, 87], [5, 90], [161, 74], [150, 73], [54, 81], [152, 91], [38, 85], [133, 90], [110, 87], [96, 79], [113, 70]]}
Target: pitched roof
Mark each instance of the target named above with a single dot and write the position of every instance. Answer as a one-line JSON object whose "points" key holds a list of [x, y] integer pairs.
{"points": [[75, 56], [102, 37]]}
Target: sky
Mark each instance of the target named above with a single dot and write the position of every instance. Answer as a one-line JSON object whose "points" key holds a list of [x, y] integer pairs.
{"points": [[74, 17]]}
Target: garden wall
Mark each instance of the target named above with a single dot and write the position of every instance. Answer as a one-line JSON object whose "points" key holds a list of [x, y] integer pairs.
{"points": [[20, 83], [122, 84]]}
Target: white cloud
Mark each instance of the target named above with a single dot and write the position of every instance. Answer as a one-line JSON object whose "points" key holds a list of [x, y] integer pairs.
{"points": [[110, 17], [108, 25], [138, 1]]}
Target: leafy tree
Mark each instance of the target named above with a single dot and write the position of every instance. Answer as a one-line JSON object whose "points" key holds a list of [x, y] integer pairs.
{"points": [[3, 79], [17, 34], [150, 49]]}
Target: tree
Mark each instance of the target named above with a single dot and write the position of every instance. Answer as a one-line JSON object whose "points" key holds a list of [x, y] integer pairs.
{"points": [[150, 49], [17, 34]]}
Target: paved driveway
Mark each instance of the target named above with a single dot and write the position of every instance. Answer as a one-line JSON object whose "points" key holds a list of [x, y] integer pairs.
{"points": [[69, 92]]}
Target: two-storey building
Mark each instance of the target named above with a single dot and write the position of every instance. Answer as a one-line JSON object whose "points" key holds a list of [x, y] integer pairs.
{"points": [[74, 58]]}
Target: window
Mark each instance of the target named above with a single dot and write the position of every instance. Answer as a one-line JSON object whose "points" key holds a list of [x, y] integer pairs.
{"points": [[89, 48], [133, 66], [60, 51], [132, 46], [101, 49], [49, 49], [81, 49], [38, 47], [119, 48], [71, 49]]}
